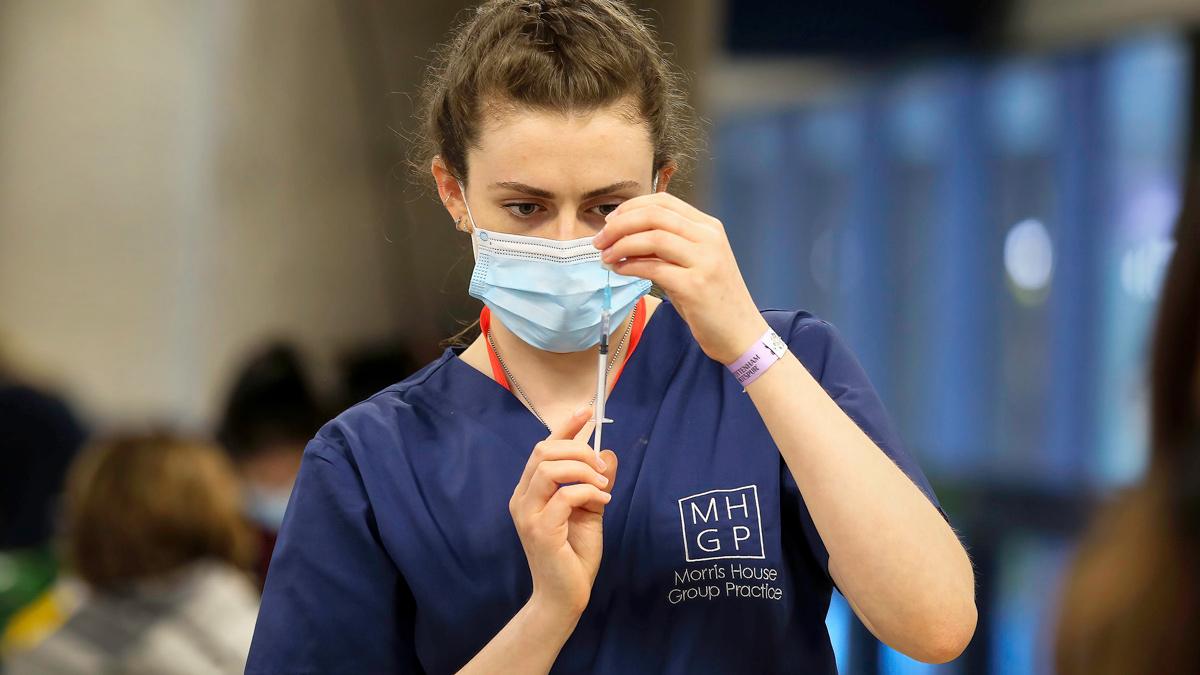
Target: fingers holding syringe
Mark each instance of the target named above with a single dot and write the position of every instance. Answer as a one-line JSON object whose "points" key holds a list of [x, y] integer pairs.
{"points": [[550, 475], [553, 504], [573, 433], [660, 244], [576, 496]]}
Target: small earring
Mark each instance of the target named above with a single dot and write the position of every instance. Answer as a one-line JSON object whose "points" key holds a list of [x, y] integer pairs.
{"points": [[458, 224]]}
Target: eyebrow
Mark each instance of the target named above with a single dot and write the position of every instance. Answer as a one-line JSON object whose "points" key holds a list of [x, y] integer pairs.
{"points": [[546, 194]]}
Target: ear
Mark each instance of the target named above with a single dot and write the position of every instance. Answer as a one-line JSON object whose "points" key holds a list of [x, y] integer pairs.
{"points": [[664, 175], [449, 191]]}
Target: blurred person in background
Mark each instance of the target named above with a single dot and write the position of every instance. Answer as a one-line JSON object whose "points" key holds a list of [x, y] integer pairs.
{"points": [[39, 436], [270, 414], [154, 528], [367, 371], [457, 520], [1132, 601]]}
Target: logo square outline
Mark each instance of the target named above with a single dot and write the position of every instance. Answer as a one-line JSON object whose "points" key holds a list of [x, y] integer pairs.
{"points": [[762, 546]]}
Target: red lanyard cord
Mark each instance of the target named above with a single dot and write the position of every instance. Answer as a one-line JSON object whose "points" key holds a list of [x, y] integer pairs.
{"points": [[635, 334]]}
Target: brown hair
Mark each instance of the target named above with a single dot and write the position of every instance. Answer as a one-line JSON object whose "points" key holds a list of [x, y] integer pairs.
{"points": [[139, 506], [1132, 602], [1175, 361], [558, 55]]}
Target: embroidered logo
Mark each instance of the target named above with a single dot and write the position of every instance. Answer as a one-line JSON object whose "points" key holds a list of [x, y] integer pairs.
{"points": [[720, 524]]}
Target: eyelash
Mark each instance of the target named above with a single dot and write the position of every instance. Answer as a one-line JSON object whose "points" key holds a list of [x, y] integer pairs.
{"points": [[524, 217]]}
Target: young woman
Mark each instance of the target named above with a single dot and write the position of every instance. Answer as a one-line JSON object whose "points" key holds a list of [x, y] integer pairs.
{"points": [[459, 521]]}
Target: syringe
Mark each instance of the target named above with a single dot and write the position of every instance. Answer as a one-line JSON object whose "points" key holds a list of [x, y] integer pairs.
{"points": [[602, 367]]}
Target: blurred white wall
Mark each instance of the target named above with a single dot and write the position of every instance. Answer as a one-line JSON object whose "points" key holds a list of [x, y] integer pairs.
{"points": [[181, 181], [178, 182], [1055, 22]]}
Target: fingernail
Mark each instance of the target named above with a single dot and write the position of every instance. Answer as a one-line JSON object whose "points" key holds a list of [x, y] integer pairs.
{"points": [[602, 466], [604, 480]]}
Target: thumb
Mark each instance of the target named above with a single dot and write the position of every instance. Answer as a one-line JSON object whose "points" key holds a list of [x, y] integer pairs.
{"points": [[610, 472]]}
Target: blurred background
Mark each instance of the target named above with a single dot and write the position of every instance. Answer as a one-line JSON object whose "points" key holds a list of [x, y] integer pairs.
{"points": [[206, 226]]}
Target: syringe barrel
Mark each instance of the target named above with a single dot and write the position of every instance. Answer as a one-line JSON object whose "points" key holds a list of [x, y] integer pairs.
{"points": [[605, 329], [598, 409]]}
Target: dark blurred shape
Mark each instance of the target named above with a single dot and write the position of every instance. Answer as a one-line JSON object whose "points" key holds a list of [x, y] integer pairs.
{"points": [[1132, 603], [367, 371], [271, 402], [154, 528], [39, 435], [867, 28]]}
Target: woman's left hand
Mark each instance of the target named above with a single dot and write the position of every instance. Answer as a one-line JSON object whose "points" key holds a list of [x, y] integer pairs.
{"points": [[686, 253]]}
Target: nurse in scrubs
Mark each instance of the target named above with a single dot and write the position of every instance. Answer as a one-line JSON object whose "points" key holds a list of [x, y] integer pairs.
{"points": [[458, 521]]}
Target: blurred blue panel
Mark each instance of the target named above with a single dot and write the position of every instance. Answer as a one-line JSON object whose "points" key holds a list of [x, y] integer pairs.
{"points": [[1023, 193], [1021, 114], [1023, 621], [1074, 332], [827, 145], [919, 111], [869, 313], [755, 188], [838, 621], [943, 346], [1146, 90], [958, 390], [990, 239], [918, 116]]}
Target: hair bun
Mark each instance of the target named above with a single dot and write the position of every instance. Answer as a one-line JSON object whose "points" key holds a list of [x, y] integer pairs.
{"points": [[549, 20]]}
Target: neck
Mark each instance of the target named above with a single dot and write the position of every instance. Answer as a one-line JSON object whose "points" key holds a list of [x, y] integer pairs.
{"points": [[556, 383], [530, 365]]}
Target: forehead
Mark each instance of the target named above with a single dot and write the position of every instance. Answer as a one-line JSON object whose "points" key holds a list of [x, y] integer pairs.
{"points": [[531, 144]]}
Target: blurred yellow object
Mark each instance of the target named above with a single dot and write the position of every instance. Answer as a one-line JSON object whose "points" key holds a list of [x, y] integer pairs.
{"points": [[40, 618]]}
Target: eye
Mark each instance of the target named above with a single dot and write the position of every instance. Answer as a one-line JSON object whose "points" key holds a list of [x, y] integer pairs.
{"points": [[523, 209], [610, 208]]}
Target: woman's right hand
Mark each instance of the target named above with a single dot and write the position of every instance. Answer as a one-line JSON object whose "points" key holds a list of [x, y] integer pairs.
{"points": [[560, 525]]}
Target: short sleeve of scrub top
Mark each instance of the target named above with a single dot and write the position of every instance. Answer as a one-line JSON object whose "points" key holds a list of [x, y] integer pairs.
{"points": [[398, 554]]}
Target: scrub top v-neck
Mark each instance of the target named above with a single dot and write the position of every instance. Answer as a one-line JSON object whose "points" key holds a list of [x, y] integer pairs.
{"points": [[398, 552], [634, 335]]}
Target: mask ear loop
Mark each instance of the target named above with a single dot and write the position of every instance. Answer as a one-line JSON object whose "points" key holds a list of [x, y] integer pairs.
{"points": [[470, 217]]}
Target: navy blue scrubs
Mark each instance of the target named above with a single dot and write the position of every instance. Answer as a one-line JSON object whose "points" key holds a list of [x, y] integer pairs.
{"points": [[398, 553]]}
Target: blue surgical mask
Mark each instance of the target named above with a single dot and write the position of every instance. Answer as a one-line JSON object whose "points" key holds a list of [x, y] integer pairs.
{"points": [[548, 292], [266, 506]]}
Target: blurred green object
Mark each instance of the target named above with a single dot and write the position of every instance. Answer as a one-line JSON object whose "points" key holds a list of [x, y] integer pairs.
{"points": [[25, 574]]}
